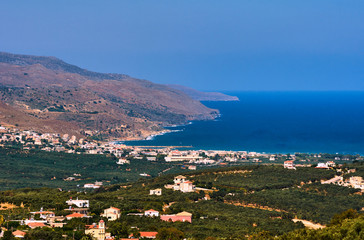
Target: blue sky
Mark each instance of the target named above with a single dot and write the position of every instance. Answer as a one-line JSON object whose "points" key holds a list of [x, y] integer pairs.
{"points": [[208, 45]]}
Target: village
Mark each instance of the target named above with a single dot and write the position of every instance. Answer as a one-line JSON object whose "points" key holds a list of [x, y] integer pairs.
{"points": [[80, 209]]}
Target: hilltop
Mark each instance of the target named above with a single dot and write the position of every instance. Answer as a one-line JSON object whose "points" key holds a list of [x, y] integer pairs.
{"points": [[50, 93]]}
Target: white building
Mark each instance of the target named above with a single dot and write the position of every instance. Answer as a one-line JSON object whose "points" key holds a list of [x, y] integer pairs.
{"points": [[91, 185], [182, 184], [356, 182], [289, 165], [322, 165], [151, 213], [78, 203], [157, 192], [123, 161]]}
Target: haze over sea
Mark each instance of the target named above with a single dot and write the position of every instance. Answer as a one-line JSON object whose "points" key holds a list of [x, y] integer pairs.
{"points": [[277, 122]]}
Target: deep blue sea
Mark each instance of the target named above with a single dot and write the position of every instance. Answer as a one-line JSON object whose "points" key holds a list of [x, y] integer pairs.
{"points": [[272, 122]]}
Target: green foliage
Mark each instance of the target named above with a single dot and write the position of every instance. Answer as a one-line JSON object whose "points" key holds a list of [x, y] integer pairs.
{"points": [[44, 234], [8, 236], [349, 229], [270, 186], [261, 177], [169, 234], [23, 168], [119, 230], [340, 217], [312, 202]]}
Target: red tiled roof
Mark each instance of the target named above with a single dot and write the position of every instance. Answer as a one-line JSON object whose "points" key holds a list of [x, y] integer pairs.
{"points": [[115, 208], [44, 212], [91, 226], [19, 233], [151, 210], [148, 234], [36, 224], [75, 215]]}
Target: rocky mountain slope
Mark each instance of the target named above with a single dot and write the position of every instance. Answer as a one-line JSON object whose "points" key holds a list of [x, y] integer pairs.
{"points": [[204, 96], [53, 93]]}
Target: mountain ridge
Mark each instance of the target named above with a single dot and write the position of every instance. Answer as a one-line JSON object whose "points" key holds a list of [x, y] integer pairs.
{"points": [[107, 104]]}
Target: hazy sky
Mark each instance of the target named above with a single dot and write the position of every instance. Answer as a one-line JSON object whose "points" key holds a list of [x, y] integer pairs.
{"points": [[208, 45]]}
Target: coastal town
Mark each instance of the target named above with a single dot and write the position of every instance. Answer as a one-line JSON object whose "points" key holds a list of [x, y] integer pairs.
{"points": [[191, 159], [97, 224]]}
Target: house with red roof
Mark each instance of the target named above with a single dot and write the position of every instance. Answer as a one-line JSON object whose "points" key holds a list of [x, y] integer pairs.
{"points": [[111, 213], [98, 231], [181, 184], [289, 165], [44, 214], [33, 225]]}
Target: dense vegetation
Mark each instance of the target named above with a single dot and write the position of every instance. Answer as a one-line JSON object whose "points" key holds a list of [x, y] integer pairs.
{"points": [[24, 168], [260, 177], [235, 210], [247, 201]]}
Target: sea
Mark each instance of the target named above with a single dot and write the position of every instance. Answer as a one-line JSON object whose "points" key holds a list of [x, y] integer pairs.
{"points": [[276, 122]]}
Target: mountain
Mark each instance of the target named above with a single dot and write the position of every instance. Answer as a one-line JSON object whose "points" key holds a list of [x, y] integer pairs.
{"points": [[204, 96], [53, 93]]}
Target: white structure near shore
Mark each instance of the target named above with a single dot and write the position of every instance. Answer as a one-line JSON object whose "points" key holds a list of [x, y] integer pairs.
{"points": [[177, 156]]}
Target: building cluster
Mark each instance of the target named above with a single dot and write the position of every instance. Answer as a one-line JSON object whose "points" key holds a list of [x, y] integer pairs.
{"points": [[70, 144], [80, 209], [353, 182], [291, 164]]}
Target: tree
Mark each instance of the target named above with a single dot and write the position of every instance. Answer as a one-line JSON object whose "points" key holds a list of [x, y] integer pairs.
{"points": [[170, 234], [119, 230], [136, 233], [339, 218], [8, 235], [87, 237]]}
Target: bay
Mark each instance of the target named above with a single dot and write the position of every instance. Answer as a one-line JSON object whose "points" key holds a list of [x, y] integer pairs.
{"points": [[277, 122]]}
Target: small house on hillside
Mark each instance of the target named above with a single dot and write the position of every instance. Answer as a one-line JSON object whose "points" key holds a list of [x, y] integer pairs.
{"points": [[289, 164], [98, 231], [43, 214], [19, 234], [78, 203], [111, 213], [157, 192], [181, 184], [151, 213]]}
